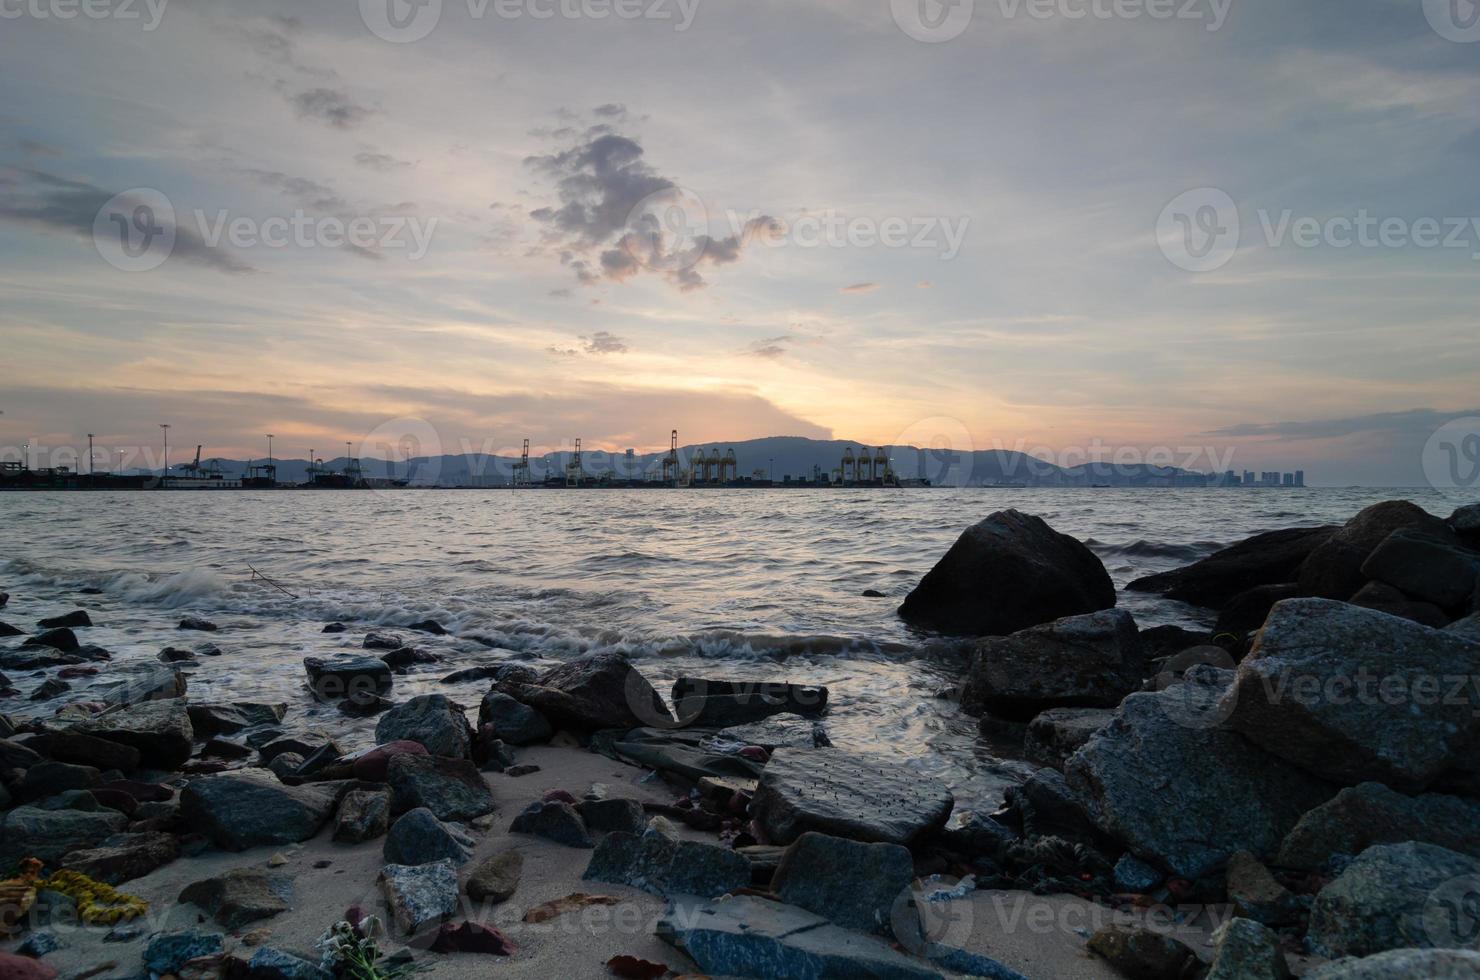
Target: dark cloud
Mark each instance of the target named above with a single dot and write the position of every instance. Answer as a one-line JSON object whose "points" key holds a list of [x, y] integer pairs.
{"points": [[611, 110], [331, 106], [860, 287], [384, 162], [46, 201], [302, 189], [772, 348], [603, 342], [1417, 421]]}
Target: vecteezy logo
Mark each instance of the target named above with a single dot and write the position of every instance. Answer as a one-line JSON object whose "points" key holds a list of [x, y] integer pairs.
{"points": [[667, 231], [401, 21], [135, 230], [1451, 915], [1193, 696], [411, 449], [1451, 458], [1454, 20], [1199, 230], [932, 21]]}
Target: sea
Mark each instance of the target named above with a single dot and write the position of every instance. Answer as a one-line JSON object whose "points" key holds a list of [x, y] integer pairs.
{"points": [[754, 584]]}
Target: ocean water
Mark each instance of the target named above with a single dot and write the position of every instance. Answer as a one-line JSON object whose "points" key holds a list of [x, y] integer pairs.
{"points": [[754, 584]]}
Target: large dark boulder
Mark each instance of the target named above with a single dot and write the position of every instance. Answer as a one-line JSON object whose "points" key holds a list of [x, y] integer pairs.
{"points": [[1058, 733], [124, 857], [1361, 816], [1397, 896], [249, 807], [60, 639], [657, 861], [1465, 522], [1334, 568], [1247, 611], [854, 884], [1351, 695], [512, 722], [1386, 599], [846, 795], [724, 703], [1088, 661], [1179, 791], [1426, 567], [159, 730], [1271, 558], [1410, 964], [453, 789], [431, 719], [50, 835], [1007, 573], [347, 675], [601, 690]]}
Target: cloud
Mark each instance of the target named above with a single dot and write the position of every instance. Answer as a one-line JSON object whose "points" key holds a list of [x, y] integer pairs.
{"points": [[71, 206], [860, 287], [603, 342], [611, 110], [32, 148], [330, 106], [771, 348], [303, 189], [1414, 421], [383, 162]]}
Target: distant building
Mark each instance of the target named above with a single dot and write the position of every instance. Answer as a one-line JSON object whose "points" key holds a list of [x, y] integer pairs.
{"points": [[1249, 478], [1288, 480], [1300, 478]]}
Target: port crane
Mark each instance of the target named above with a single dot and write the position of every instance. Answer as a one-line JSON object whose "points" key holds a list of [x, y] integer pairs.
{"points": [[521, 468]]}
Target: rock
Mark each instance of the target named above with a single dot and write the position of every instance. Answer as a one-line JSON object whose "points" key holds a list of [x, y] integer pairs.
{"points": [[592, 692], [60, 639], [1385, 598], [242, 896], [251, 807], [334, 628], [268, 963], [1268, 559], [402, 660], [373, 765], [418, 837], [1334, 568], [80, 748], [781, 731], [36, 658], [1049, 808], [1144, 954], [13, 967], [50, 688], [160, 730], [1089, 661], [167, 952], [511, 721], [420, 896], [363, 815], [363, 704], [852, 884], [657, 861], [1181, 794], [1057, 733], [7, 630], [725, 703], [1136, 876], [1255, 894], [285, 764], [50, 835], [131, 684], [1317, 690], [453, 789], [605, 816], [37, 945], [383, 641], [17, 755], [228, 719], [553, 820], [496, 878], [1247, 611], [1410, 964], [428, 626], [303, 745], [1395, 896], [1007, 573], [73, 620], [756, 937], [1361, 816], [197, 624], [431, 719], [1426, 566], [337, 678], [1469, 627], [49, 778], [850, 796], [1245, 950], [124, 857]]}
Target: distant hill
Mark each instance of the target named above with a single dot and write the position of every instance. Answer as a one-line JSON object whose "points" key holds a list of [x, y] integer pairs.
{"points": [[783, 456]]}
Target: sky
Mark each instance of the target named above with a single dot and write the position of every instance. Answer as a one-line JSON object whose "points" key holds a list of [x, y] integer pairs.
{"points": [[1243, 231]]}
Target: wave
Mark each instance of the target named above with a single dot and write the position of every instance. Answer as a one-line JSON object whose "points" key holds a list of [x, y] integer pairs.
{"points": [[1142, 548]]}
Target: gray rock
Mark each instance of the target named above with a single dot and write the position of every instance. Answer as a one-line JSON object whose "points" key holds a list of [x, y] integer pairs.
{"points": [[431, 719], [51, 835], [779, 732], [303, 745], [401, 661], [346, 674], [242, 896], [747, 936], [418, 837], [1088, 661], [268, 963], [1360, 816], [1257, 895], [1048, 807], [37, 658], [60, 639], [1318, 690], [80, 748], [50, 689], [168, 951], [285, 764], [512, 721], [1426, 566], [363, 815], [1057, 733], [421, 896], [860, 798], [553, 820], [605, 816], [73, 619], [1410, 964], [383, 641], [453, 789], [17, 755], [1247, 611], [1269, 559], [49, 778], [1469, 627], [496, 878], [589, 693], [250, 807], [198, 624], [1143, 954], [657, 861], [852, 884], [1245, 950], [1007, 573], [1134, 875], [38, 944], [1181, 794], [160, 730], [1334, 568], [708, 702], [124, 857], [1396, 896], [1386, 599], [228, 719]]}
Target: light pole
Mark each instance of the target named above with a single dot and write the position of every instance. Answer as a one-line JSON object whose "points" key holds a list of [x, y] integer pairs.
{"points": [[773, 469], [166, 472], [271, 469], [89, 454]]}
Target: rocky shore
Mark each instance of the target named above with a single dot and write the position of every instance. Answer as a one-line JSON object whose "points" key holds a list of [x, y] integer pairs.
{"points": [[1294, 793]]}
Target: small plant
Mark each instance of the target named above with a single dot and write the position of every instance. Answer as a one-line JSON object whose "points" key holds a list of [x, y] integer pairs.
{"points": [[349, 950]]}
